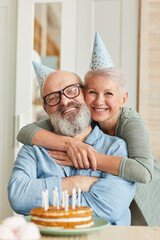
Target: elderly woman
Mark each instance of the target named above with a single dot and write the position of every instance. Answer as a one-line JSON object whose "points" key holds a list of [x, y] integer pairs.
{"points": [[106, 96]]}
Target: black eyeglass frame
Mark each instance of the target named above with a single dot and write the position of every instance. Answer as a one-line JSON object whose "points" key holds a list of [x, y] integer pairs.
{"points": [[62, 92]]}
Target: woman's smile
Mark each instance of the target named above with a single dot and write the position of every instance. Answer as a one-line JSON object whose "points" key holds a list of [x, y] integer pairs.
{"points": [[100, 110]]}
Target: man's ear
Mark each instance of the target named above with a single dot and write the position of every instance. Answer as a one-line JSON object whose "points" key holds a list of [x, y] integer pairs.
{"points": [[124, 99], [45, 109]]}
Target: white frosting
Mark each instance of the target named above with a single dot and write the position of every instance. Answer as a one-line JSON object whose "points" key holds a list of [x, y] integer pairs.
{"points": [[76, 226], [84, 225], [80, 219]]}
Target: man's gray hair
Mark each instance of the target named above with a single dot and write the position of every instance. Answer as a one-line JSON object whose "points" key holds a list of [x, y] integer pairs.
{"points": [[79, 79], [113, 73]]}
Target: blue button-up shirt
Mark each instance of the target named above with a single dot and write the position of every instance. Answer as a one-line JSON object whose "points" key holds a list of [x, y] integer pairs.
{"points": [[34, 171]]}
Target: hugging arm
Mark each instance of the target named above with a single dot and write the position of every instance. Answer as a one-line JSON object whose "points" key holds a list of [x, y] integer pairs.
{"points": [[41, 134], [138, 167], [77, 153], [110, 198]]}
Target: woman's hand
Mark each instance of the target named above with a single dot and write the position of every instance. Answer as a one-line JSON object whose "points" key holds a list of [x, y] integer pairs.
{"points": [[78, 154], [60, 157], [82, 155]]}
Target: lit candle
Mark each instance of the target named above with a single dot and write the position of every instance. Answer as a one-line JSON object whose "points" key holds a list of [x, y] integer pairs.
{"points": [[43, 199], [55, 197], [63, 199], [79, 197], [66, 201], [73, 198], [45, 202], [57, 200]]}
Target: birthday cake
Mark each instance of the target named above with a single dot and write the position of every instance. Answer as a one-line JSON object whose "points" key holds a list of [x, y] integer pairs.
{"points": [[78, 218]]}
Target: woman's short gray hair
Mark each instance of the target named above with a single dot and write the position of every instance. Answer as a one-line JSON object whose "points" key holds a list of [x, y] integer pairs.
{"points": [[113, 73]]}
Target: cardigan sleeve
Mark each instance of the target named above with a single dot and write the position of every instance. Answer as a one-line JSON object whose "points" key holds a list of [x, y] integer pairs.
{"points": [[26, 133], [138, 167]]}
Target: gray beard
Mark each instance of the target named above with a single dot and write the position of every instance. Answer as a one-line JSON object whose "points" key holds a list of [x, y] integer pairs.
{"points": [[73, 123]]}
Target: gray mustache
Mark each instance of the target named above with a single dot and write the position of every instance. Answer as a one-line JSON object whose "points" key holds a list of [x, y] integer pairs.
{"points": [[63, 108]]}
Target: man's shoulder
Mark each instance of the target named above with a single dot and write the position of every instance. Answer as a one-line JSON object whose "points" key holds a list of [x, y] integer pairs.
{"points": [[114, 140], [106, 144], [100, 134], [30, 149], [97, 136]]}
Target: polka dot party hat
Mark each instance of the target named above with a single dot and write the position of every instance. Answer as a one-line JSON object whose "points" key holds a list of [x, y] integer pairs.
{"points": [[42, 72], [100, 56]]}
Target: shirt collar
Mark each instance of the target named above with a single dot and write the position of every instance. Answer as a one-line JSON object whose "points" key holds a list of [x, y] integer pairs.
{"points": [[93, 136]]}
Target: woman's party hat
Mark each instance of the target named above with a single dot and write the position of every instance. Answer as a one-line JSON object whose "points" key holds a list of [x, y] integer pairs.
{"points": [[42, 72], [100, 56]]}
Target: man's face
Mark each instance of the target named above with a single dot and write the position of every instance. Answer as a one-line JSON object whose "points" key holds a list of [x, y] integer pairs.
{"points": [[70, 116], [56, 82]]}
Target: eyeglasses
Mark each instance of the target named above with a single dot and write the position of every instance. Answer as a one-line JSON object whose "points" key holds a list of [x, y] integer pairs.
{"points": [[71, 91]]}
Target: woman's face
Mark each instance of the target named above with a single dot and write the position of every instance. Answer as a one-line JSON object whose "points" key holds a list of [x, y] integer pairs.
{"points": [[104, 99]]}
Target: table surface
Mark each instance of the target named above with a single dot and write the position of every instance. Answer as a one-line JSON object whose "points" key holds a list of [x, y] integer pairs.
{"points": [[115, 233]]}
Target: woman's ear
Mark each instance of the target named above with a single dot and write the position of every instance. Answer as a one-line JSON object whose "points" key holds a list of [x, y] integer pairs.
{"points": [[124, 99]]}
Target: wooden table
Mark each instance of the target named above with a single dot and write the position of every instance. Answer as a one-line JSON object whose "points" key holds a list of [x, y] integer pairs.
{"points": [[115, 233]]}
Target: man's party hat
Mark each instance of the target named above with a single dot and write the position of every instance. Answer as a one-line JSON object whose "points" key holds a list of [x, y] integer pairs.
{"points": [[42, 72], [100, 56]]}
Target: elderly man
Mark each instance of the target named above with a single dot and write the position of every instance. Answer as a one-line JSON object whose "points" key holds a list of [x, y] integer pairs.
{"points": [[34, 170]]}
